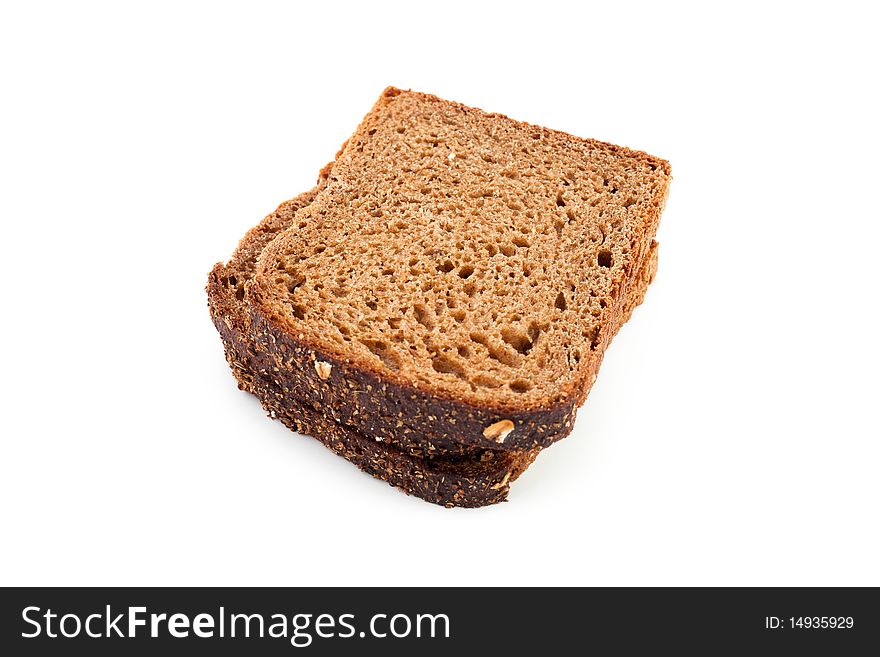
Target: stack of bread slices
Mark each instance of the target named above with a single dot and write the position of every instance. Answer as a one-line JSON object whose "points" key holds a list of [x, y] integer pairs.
{"points": [[436, 309]]}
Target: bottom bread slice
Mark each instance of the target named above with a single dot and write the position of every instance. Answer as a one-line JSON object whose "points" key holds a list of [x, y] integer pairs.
{"points": [[471, 478]]}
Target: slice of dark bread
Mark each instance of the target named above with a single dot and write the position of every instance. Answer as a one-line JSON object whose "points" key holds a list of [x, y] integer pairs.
{"points": [[470, 477], [458, 279]]}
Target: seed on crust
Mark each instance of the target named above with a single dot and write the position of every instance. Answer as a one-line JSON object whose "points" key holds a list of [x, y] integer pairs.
{"points": [[501, 483], [498, 431], [323, 369]]}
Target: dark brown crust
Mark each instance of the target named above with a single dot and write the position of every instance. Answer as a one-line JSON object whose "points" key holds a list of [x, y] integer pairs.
{"points": [[394, 412], [379, 405]]}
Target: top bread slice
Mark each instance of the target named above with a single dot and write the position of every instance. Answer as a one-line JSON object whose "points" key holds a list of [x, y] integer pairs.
{"points": [[460, 275]]}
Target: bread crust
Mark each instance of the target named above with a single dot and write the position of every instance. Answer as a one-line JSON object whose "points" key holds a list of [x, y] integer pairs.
{"points": [[384, 405]]}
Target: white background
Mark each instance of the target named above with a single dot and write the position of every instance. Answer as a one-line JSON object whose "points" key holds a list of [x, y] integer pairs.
{"points": [[732, 435]]}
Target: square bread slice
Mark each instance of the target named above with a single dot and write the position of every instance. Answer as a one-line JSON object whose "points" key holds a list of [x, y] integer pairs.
{"points": [[458, 278]]}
